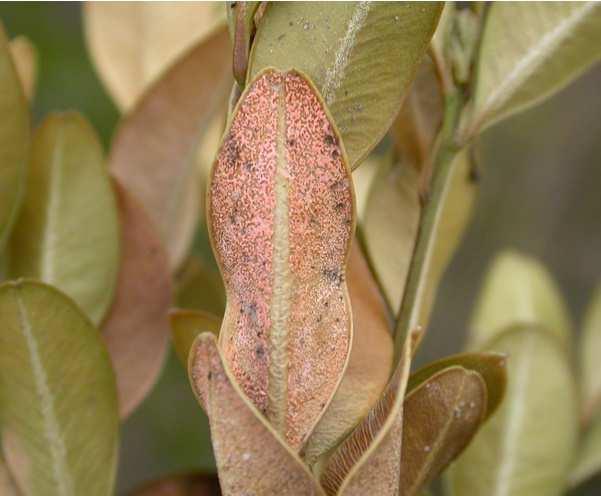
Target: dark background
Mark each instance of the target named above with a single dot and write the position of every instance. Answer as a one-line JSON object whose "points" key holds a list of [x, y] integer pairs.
{"points": [[540, 193]]}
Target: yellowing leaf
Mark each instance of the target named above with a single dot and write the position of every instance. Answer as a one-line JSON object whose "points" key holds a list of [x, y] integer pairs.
{"points": [[518, 289], [369, 459], [14, 140], [154, 151], [182, 485], [186, 325], [530, 51], [441, 417], [370, 362], [391, 221], [362, 56], [67, 234], [527, 447], [57, 390], [136, 329], [251, 457], [132, 43], [590, 353], [25, 57], [281, 219]]}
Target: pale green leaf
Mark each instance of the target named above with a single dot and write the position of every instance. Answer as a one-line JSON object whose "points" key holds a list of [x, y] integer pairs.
{"points": [[362, 56], [67, 234], [529, 51], [518, 289], [588, 459], [133, 43], [527, 447], [363, 178], [590, 354], [14, 139], [57, 390]]}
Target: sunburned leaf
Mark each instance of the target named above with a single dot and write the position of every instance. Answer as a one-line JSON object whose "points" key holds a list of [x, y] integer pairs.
{"points": [[186, 325], [200, 287], [57, 390], [136, 330], [441, 417], [153, 153], [369, 364], [369, 460], [527, 447], [182, 485], [281, 220], [391, 221], [67, 234], [14, 140], [518, 289], [362, 56], [240, 18], [489, 365], [530, 51], [251, 457], [132, 43], [590, 351], [588, 457], [25, 57]]}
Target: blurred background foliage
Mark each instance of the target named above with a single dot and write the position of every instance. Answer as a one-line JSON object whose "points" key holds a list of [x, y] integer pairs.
{"points": [[540, 193]]}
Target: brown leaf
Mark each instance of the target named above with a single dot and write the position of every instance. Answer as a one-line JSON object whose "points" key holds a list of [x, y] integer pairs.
{"points": [[369, 364], [182, 485], [251, 457], [369, 460], [154, 151], [441, 417], [281, 218], [136, 329]]}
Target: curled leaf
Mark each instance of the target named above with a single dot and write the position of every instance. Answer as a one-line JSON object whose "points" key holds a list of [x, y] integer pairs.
{"points": [[182, 485], [362, 56], [281, 219], [441, 417], [369, 364], [369, 459], [25, 57], [527, 447], [530, 51], [14, 140], [136, 329], [490, 366], [69, 193], [251, 457], [518, 289], [154, 151], [57, 389], [132, 43], [186, 325]]}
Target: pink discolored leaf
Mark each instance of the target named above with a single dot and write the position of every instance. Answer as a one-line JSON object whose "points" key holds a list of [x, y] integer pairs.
{"points": [[281, 218], [251, 457], [136, 329]]}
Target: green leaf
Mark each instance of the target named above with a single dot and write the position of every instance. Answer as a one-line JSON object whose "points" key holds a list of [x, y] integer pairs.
{"points": [[362, 56], [154, 151], [136, 329], [192, 484], [251, 456], [390, 226], [527, 447], [133, 43], [441, 417], [58, 400], [67, 234], [518, 289], [530, 51], [186, 325], [588, 458], [490, 366], [14, 140], [590, 353]]}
